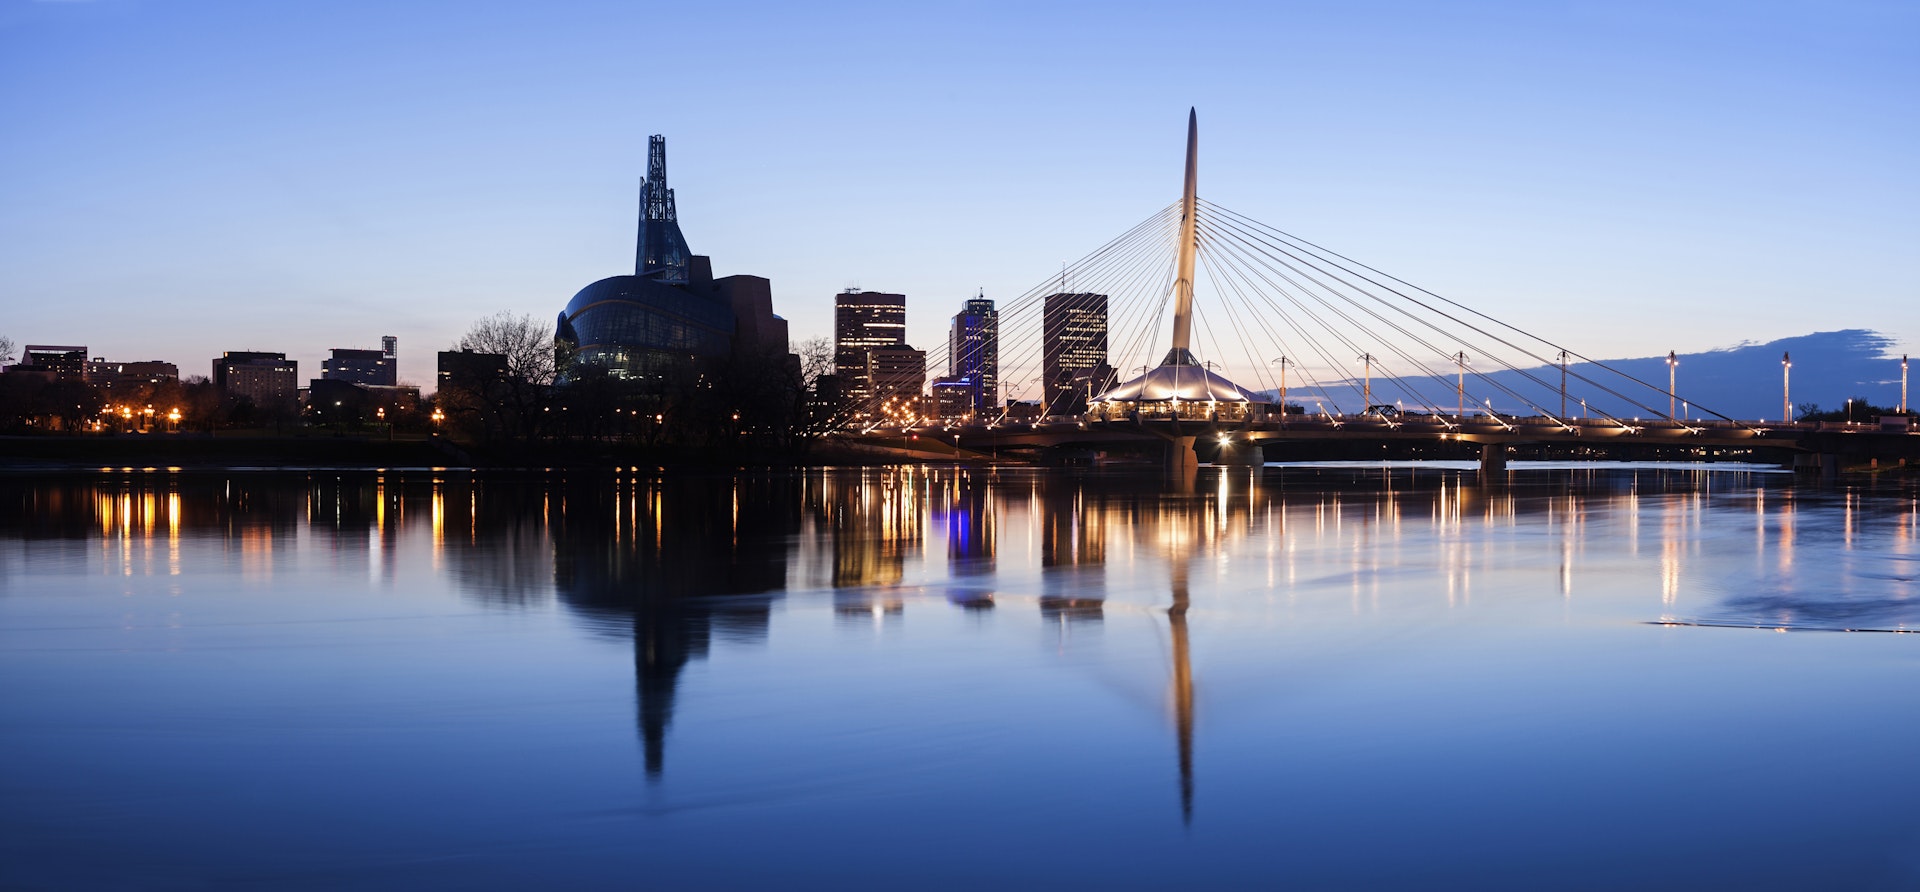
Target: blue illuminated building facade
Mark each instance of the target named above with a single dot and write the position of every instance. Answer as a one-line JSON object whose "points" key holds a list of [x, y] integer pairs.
{"points": [[973, 351]]}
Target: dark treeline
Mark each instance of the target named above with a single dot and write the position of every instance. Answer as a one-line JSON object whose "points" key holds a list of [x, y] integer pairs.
{"points": [[33, 403], [745, 408]]}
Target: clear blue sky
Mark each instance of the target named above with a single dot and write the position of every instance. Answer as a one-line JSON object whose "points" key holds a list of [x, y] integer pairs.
{"points": [[180, 177]]}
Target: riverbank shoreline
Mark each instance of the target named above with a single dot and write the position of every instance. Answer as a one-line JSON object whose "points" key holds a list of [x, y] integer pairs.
{"points": [[266, 451]]}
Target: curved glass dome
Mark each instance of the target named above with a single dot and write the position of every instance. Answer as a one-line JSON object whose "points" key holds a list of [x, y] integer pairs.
{"points": [[636, 327]]}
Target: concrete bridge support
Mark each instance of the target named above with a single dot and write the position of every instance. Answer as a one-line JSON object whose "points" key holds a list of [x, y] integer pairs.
{"points": [[1493, 458], [1825, 466], [1182, 461]]}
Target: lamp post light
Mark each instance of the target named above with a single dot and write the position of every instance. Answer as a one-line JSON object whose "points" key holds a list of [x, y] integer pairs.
{"points": [[1563, 384], [1366, 386], [1460, 385], [1786, 388], [1283, 390], [1903, 383], [1673, 362]]}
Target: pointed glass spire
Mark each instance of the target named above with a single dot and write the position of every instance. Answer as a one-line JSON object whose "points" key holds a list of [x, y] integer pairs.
{"points": [[662, 254]]}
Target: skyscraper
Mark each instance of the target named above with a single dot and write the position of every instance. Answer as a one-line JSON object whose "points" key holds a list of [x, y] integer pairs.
{"points": [[863, 321], [973, 352], [1074, 350]]}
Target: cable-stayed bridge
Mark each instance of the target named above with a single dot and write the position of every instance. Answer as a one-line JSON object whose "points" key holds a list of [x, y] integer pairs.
{"points": [[1220, 330]]}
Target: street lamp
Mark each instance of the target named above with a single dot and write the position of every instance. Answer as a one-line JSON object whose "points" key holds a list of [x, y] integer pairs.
{"points": [[1366, 387], [1460, 384], [1283, 389], [1786, 380], [1672, 363]]}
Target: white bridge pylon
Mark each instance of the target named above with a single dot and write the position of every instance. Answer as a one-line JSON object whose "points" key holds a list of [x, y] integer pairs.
{"points": [[1180, 378]]}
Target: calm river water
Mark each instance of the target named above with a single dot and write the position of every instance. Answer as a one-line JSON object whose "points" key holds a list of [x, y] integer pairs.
{"points": [[1320, 677]]}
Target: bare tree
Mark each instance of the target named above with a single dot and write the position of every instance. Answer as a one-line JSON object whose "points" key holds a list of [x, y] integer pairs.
{"points": [[6, 349], [816, 359], [526, 342], [515, 403]]}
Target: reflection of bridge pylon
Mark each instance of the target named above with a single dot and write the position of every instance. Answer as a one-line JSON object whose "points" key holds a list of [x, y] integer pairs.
{"points": [[1182, 687]]}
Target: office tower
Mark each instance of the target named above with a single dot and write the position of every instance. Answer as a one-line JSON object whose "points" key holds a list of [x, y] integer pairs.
{"points": [[63, 363], [1074, 350], [973, 353], [269, 379], [467, 370], [896, 373], [862, 321], [373, 368], [121, 378]]}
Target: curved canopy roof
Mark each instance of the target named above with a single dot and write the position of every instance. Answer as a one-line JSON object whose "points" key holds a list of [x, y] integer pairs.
{"points": [[1182, 382]]}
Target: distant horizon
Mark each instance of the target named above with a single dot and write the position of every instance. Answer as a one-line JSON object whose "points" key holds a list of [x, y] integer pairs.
{"points": [[1741, 382]]}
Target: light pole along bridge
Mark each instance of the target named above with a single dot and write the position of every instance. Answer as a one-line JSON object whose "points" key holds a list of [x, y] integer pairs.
{"points": [[1252, 441], [1324, 349]]}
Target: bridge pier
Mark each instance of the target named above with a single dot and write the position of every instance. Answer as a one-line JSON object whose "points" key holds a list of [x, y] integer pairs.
{"points": [[1182, 461], [1825, 466], [1493, 458]]}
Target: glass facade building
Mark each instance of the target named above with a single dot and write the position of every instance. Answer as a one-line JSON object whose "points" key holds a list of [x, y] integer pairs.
{"points": [[864, 321], [638, 328], [973, 352], [671, 313]]}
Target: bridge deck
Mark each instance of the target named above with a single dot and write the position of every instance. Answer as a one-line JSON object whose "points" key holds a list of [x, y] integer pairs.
{"points": [[1516, 431]]}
